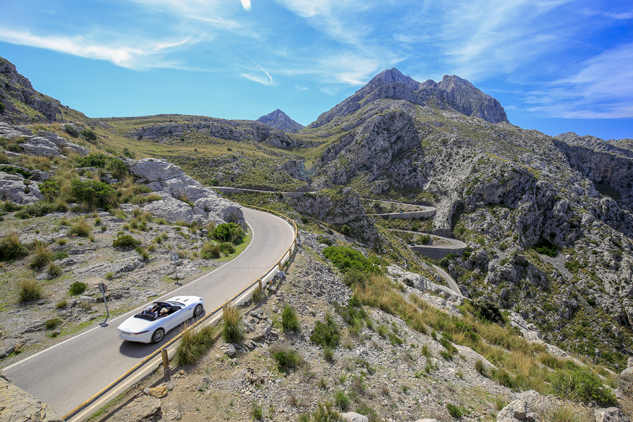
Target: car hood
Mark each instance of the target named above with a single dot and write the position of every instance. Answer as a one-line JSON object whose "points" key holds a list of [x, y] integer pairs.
{"points": [[135, 325]]}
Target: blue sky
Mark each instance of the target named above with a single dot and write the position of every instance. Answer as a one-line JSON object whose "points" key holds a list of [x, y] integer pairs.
{"points": [[555, 66]]}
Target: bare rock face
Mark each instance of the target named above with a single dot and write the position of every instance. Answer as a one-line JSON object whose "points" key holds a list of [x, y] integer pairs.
{"points": [[45, 143], [16, 405], [280, 120], [13, 188], [184, 198], [143, 409]]}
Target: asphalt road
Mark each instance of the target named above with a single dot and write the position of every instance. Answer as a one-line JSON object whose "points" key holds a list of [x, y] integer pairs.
{"points": [[67, 374], [451, 282]]}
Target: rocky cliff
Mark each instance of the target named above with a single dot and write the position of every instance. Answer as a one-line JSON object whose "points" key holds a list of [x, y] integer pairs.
{"points": [[280, 120], [20, 103]]}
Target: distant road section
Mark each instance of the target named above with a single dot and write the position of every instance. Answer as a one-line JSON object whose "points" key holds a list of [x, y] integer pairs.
{"points": [[69, 373]]}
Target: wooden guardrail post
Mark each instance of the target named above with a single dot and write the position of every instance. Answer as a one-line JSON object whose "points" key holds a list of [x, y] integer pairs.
{"points": [[165, 356]]}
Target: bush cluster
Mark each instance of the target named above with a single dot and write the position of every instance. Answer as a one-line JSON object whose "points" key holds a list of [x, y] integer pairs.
{"points": [[210, 251], [12, 248], [232, 328], [289, 319], [347, 259], [545, 247], [125, 241], [77, 288], [326, 333], [229, 232], [287, 359], [194, 343], [94, 194]]}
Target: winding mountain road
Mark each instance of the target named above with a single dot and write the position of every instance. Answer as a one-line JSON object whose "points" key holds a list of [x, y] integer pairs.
{"points": [[69, 373]]}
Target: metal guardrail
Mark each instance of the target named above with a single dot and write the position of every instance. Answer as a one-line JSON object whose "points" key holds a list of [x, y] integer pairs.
{"points": [[275, 268]]}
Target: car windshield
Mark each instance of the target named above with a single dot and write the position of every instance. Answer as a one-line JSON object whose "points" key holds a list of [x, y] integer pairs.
{"points": [[174, 303]]}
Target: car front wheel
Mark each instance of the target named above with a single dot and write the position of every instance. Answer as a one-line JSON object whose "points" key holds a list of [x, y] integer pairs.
{"points": [[197, 311], [158, 335]]}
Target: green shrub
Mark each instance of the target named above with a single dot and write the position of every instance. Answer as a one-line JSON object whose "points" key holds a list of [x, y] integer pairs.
{"points": [[328, 354], [61, 254], [29, 290], [341, 400], [210, 251], [229, 232], [583, 385], [232, 328], [456, 411], [89, 134], [325, 240], [12, 248], [256, 411], [16, 170], [346, 230], [71, 130], [2, 108], [545, 247], [42, 257], [227, 248], [94, 194], [55, 270], [573, 266], [479, 367], [9, 206], [353, 313], [487, 310], [286, 358], [80, 227], [325, 413], [194, 343], [354, 276], [425, 239], [77, 288], [289, 319], [445, 262], [326, 334], [61, 304], [346, 259], [142, 252], [50, 189], [52, 323], [125, 241], [258, 295]]}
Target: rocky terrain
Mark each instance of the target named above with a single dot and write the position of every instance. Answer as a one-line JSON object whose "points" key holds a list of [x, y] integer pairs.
{"points": [[280, 120], [547, 223], [383, 369]]}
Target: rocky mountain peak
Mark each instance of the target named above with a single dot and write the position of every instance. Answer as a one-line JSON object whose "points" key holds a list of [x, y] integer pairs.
{"points": [[391, 76], [451, 92], [280, 120]]}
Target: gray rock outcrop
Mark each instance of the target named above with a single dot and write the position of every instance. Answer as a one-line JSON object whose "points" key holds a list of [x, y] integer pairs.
{"points": [[354, 417], [16, 405], [183, 198], [13, 188], [610, 414], [45, 143]]}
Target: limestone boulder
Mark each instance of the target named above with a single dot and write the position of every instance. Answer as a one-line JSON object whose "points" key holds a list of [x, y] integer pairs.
{"points": [[354, 417], [41, 146], [13, 188], [184, 198], [610, 414], [171, 209]]}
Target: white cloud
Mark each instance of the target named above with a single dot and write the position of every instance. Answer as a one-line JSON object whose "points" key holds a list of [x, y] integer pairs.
{"points": [[601, 89], [246, 4], [132, 54]]}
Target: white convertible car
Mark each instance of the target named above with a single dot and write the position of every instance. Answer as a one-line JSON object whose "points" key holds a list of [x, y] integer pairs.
{"points": [[151, 325]]}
